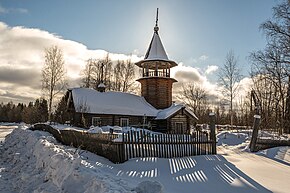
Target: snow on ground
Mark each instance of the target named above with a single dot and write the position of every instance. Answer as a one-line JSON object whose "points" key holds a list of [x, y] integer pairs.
{"points": [[281, 154], [239, 141], [235, 140], [36, 162]]}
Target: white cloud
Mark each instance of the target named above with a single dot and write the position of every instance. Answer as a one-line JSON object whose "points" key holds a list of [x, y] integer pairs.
{"points": [[203, 57], [19, 10], [210, 69], [187, 74], [22, 58], [192, 60], [245, 86], [4, 10]]}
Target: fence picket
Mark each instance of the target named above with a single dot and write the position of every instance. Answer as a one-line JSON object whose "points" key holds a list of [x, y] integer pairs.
{"points": [[138, 144], [130, 143]]}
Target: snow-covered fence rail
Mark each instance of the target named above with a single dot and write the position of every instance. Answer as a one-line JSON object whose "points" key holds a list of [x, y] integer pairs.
{"points": [[147, 144], [262, 144]]}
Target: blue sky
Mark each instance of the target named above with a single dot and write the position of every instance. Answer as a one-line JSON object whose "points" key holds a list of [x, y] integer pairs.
{"points": [[189, 29], [196, 33]]}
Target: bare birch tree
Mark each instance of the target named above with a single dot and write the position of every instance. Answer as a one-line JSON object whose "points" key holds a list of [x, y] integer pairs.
{"points": [[123, 77], [273, 63], [195, 97], [53, 75], [87, 73], [230, 77], [117, 76]]}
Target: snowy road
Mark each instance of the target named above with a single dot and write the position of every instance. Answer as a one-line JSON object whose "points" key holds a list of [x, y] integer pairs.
{"points": [[271, 174], [5, 130]]}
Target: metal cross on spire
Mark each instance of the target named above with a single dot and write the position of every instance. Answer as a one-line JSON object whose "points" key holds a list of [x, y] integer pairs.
{"points": [[156, 28]]}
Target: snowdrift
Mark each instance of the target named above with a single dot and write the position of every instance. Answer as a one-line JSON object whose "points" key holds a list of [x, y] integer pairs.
{"points": [[41, 164]]}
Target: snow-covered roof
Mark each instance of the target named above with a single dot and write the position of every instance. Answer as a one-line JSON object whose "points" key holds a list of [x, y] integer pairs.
{"points": [[91, 101], [156, 51], [191, 113], [168, 112], [88, 100]]}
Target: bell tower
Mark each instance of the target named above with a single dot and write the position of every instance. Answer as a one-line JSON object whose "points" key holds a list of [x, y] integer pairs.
{"points": [[156, 84]]}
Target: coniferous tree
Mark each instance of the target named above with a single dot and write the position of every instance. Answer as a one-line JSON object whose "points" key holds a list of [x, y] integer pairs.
{"points": [[61, 114]]}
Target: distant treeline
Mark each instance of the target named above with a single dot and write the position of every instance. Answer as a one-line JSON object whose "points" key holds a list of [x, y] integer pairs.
{"points": [[32, 113]]}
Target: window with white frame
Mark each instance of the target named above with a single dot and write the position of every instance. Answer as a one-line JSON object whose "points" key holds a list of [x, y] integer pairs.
{"points": [[124, 122], [96, 121]]}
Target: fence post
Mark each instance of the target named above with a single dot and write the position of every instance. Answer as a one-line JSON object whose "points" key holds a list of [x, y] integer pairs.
{"points": [[212, 132], [257, 119]]}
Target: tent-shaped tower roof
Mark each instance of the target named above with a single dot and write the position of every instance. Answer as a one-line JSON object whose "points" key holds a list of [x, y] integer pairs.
{"points": [[156, 51]]}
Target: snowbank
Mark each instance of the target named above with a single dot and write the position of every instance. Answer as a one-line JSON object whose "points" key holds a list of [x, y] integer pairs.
{"points": [[40, 164], [281, 154], [275, 136], [95, 130], [233, 140], [240, 140]]}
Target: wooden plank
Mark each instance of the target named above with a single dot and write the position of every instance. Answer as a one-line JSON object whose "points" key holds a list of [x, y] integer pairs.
{"points": [[188, 146], [126, 146], [197, 140], [134, 143], [178, 153], [139, 144], [171, 146], [165, 146], [156, 146], [142, 143], [151, 145], [160, 147], [129, 144], [176, 145], [122, 153], [179, 137], [184, 145], [146, 145]]}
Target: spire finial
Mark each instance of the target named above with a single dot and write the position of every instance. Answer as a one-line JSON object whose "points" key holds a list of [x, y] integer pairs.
{"points": [[156, 28]]}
